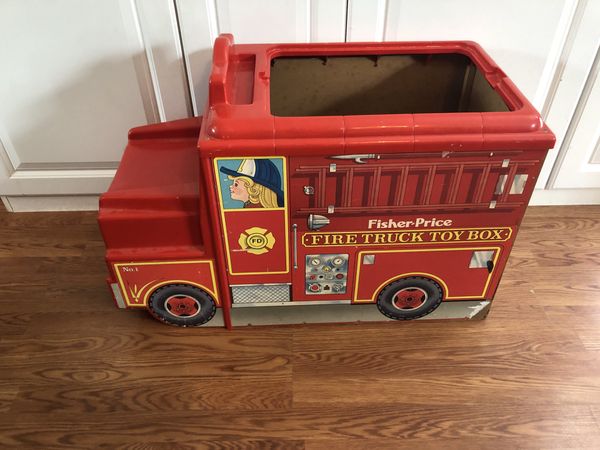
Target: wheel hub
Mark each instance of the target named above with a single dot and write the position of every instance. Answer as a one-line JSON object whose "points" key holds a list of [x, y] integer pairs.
{"points": [[182, 306], [409, 298]]}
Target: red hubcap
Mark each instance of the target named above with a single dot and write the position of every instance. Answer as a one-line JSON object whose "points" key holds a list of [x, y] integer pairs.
{"points": [[182, 306], [409, 298]]}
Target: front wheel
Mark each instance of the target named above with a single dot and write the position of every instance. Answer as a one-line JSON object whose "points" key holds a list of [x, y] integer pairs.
{"points": [[182, 305], [409, 298]]}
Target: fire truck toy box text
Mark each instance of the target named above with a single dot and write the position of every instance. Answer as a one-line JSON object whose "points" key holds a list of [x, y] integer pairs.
{"points": [[386, 178]]}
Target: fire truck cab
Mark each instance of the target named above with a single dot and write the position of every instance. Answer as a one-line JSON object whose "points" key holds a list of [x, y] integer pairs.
{"points": [[388, 174]]}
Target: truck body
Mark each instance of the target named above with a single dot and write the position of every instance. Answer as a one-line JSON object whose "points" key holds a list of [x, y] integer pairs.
{"points": [[387, 174]]}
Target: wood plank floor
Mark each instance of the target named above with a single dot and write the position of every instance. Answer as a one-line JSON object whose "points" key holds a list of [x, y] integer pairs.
{"points": [[77, 373]]}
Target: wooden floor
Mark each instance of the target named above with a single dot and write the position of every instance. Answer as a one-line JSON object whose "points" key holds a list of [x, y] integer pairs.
{"points": [[77, 373]]}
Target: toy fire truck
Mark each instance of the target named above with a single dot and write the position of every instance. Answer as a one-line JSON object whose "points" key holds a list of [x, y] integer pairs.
{"points": [[382, 177]]}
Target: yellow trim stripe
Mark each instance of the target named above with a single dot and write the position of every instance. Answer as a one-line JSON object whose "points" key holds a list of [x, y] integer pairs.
{"points": [[135, 294], [164, 283], [284, 209], [435, 277], [128, 302]]}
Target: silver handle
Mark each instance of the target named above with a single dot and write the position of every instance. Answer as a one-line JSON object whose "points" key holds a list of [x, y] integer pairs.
{"points": [[358, 158], [295, 228], [316, 221]]}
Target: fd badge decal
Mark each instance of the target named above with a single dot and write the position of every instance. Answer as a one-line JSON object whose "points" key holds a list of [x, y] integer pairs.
{"points": [[256, 240]]}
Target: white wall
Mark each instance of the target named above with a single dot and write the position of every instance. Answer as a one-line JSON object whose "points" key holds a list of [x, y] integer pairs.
{"points": [[78, 73]]}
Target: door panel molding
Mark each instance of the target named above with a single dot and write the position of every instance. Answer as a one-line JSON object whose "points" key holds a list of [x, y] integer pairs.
{"points": [[595, 158], [60, 182], [561, 105], [575, 165], [8, 157], [562, 42], [574, 110], [158, 31]]}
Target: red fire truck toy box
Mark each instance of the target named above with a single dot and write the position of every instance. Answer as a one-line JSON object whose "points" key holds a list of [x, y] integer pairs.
{"points": [[391, 174]]}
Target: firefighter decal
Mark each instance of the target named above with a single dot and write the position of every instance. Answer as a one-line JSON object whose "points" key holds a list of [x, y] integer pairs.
{"points": [[256, 183], [252, 201]]}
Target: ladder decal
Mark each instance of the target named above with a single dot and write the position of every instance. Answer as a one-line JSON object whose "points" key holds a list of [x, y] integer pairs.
{"points": [[478, 195]]}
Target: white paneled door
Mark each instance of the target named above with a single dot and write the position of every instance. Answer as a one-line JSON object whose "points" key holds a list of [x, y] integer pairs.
{"points": [[77, 74], [578, 162], [579, 165], [252, 21]]}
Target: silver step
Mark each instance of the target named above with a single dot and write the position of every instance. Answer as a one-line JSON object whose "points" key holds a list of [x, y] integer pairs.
{"points": [[260, 293], [298, 303]]}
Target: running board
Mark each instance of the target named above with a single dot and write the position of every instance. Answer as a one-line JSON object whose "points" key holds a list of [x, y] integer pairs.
{"points": [[345, 313]]}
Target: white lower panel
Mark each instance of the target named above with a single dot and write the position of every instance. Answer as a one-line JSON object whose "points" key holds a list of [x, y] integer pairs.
{"points": [[342, 314], [542, 197], [51, 203]]}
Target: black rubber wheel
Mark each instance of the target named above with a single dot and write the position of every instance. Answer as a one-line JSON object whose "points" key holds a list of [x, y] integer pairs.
{"points": [[409, 298], [182, 305]]}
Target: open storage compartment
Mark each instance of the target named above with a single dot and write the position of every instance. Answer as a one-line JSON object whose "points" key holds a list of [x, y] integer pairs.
{"points": [[379, 84]]}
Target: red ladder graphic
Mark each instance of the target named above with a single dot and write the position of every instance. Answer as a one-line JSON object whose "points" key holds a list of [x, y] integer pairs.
{"points": [[490, 186]]}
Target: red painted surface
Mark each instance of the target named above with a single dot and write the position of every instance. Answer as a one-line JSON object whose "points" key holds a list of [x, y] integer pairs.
{"points": [[140, 279], [448, 267], [422, 206], [271, 262]]}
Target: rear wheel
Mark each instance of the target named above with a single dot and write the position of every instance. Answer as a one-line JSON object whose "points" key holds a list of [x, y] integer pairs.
{"points": [[409, 298], [182, 305]]}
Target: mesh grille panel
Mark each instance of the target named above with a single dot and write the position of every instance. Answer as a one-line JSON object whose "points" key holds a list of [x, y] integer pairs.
{"points": [[261, 293]]}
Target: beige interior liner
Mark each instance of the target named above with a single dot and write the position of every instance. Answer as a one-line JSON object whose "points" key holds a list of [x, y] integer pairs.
{"points": [[387, 84]]}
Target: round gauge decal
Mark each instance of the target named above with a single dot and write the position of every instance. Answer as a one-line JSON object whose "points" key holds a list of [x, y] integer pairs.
{"points": [[338, 261], [315, 261]]}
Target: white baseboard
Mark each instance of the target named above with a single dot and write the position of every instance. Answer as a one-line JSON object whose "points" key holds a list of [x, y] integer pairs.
{"points": [[51, 203], [540, 197]]}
